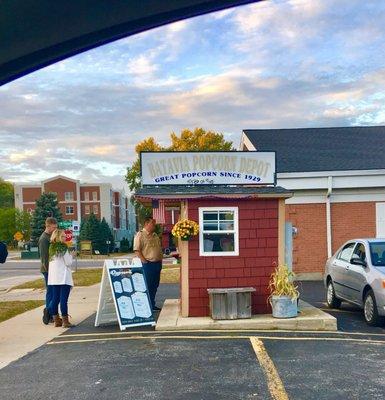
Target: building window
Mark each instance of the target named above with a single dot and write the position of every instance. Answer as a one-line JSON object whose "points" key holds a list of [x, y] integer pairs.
{"points": [[218, 233], [69, 196], [87, 196], [69, 210], [87, 209], [94, 196], [95, 209]]}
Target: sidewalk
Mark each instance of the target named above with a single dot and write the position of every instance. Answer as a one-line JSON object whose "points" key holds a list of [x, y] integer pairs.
{"points": [[26, 332]]}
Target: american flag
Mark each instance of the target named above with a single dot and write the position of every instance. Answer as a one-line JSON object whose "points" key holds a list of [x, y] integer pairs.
{"points": [[158, 211]]}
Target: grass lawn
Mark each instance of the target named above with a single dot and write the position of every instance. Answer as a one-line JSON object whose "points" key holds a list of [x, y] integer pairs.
{"points": [[90, 276], [83, 277], [170, 275], [9, 309]]}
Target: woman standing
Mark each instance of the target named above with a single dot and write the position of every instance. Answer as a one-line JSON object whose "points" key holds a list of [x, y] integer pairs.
{"points": [[60, 277]]}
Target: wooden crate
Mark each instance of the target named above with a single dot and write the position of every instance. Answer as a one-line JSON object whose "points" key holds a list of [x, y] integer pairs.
{"points": [[230, 303]]}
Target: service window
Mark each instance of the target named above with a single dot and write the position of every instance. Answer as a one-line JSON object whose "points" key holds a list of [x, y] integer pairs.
{"points": [[218, 233], [69, 210], [346, 252]]}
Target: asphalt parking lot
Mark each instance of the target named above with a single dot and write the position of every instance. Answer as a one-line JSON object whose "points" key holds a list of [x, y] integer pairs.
{"points": [[104, 363]]}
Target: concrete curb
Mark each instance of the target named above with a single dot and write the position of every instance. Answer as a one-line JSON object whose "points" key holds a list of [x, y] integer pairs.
{"points": [[309, 319], [24, 333]]}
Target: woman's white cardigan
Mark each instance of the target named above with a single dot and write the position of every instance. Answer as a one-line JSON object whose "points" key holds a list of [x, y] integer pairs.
{"points": [[59, 270]]}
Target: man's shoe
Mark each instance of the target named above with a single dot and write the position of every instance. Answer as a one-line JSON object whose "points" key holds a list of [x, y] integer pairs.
{"points": [[46, 316], [155, 308]]}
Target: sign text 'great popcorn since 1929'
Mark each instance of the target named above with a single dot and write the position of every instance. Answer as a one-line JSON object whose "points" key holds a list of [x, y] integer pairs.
{"points": [[197, 168]]}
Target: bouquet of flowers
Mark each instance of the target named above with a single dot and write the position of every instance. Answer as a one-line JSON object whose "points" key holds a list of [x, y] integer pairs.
{"points": [[185, 228]]}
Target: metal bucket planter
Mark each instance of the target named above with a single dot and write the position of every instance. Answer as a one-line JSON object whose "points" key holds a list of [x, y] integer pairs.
{"points": [[284, 307]]}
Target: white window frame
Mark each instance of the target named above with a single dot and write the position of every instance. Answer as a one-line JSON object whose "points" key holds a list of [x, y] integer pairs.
{"points": [[87, 209], [95, 207], [68, 196], [235, 231], [70, 213], [86, 196], [95, 196]]}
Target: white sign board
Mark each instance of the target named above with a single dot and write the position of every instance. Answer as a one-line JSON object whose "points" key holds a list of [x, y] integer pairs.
{"points": [[208, 168], [123, 296]]}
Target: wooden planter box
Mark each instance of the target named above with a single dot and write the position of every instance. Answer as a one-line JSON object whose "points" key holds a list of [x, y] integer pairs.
{"points": [[230, 303]]}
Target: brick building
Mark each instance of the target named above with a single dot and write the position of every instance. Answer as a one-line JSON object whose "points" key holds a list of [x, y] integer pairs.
{"points": [[337, 176], [78, 200]]}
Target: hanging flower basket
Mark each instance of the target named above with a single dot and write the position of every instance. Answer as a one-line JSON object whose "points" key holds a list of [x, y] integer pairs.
{"points": [[185, 229]]}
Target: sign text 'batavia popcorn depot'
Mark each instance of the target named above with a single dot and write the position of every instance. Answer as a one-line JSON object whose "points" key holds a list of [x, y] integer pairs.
{"points": [[215, 168]]}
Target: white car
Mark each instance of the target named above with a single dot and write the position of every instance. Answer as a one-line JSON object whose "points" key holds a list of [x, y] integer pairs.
{"points": [[356, 274]]}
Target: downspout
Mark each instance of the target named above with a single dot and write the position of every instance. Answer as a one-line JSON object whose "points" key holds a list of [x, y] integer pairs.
{"points": [[328, 217]]}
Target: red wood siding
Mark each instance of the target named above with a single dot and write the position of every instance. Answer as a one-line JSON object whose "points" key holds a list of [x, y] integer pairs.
{"points": [[258, 253]]}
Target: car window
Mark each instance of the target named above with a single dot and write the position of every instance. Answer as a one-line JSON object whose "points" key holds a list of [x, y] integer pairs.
{"points": [[377, 253], [346, 252], [360, 251]]}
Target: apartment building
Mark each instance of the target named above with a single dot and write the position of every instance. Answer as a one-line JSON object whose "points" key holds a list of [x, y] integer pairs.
{"points": [[78, 200]]}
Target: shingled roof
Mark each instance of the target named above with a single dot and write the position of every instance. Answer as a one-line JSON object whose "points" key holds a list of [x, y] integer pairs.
{"points": [[210, 191], [323, 149]]}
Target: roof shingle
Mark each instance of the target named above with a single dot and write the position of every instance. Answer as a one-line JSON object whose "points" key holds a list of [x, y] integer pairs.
{"points": [[323, 149]]}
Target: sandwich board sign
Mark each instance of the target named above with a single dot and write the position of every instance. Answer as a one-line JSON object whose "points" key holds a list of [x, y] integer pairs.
{"points": [[123, 295]]}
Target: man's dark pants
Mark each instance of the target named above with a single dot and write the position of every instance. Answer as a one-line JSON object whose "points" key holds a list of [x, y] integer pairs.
{"points": [[152, 273], [48, 294]]}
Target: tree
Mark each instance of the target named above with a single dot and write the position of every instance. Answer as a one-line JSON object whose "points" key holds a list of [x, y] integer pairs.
{"points": [[199, 140], [91, 229], [6, 194], [46, 206], [107, 235], [133, 172], [7, 224], [196, 140], [23, 221]]}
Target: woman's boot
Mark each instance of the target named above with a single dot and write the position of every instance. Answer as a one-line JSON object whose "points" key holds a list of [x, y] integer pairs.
{"points": [[66, 322], [57, 321]]}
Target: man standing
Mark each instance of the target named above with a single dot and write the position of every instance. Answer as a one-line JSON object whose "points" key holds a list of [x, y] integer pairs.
{"points": [[148, 248], [44, 240]]}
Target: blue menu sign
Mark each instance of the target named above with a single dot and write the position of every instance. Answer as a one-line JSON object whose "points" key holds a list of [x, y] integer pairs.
{"points": [[124, 283]]}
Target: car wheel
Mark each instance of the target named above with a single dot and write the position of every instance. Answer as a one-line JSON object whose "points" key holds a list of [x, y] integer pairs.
{"points": [[370, 309], [331, 298]]}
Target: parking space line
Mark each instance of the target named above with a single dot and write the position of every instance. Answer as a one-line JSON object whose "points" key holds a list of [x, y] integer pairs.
{"points": [[274, 382], [325, 339], [246, 332], [145, 338], [219, 337]]}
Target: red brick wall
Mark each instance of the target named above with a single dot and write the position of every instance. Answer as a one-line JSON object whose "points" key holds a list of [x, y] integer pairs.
{"points": [[258, 251], [309, 245], [60, 186], [90, 190], [352, 220], [30, 194]]}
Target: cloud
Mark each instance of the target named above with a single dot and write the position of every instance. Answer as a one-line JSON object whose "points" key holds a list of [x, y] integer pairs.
{"points": [[275, 64]]}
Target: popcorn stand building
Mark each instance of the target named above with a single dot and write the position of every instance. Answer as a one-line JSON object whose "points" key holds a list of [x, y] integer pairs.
{"points": [[240, 211]]}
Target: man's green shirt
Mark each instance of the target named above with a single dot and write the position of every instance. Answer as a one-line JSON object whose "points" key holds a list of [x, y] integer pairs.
{"points": [[44, 241]]}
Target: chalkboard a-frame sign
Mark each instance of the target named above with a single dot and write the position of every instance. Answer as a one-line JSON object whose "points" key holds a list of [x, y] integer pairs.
{"points": [[123, 295]]}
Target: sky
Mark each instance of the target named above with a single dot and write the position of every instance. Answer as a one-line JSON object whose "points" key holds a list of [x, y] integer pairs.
{"points": [[273, 64]]}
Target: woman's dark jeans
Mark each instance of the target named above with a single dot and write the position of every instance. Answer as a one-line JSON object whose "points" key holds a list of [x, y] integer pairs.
{"points": [[60, 294]]}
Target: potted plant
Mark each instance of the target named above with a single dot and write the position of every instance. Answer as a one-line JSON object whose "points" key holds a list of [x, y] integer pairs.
{"points": [[283, 293], [184, 229]]}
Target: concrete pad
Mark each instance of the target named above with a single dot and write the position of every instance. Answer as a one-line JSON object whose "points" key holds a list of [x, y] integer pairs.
{"points": [[309, 319], [26, 332]]}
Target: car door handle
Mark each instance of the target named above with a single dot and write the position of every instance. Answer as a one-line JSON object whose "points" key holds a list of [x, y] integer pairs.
{"points": [[347, 267]]}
